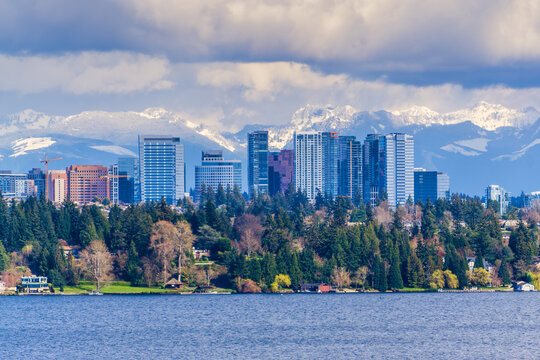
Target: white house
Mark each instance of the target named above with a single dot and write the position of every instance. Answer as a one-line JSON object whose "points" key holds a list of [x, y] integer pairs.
{"points": [[523, 286]]}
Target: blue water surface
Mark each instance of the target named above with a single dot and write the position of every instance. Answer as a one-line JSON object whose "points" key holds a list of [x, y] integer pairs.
{"points": [[296, 326]]}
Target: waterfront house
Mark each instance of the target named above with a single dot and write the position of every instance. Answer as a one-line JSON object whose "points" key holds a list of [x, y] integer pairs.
{"points": [[173, 284], [523, 286], [316, 288], [34, 284]]}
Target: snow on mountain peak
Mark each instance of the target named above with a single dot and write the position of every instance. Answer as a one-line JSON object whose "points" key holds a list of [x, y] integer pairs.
{"points": [[23, 146]]}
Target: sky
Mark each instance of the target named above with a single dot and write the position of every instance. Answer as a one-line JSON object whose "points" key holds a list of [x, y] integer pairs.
{"points": [[228, 63]]}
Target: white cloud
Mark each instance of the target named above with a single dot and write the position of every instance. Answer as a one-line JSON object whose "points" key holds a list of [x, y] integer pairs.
{"points": [[412, 34], [266, 80], [298, 83], [82, 73]]}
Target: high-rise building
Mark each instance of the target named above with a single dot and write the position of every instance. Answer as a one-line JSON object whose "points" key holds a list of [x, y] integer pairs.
{"points": [[85, 182], [127, 169], [38, 176], [330, 159], [280, 171], [349, 166], [258, 162], [499, 194], [58, 186], [430, 185], [161, 168], [389, 168], [215, 170], [308, 163], [16, 186]]}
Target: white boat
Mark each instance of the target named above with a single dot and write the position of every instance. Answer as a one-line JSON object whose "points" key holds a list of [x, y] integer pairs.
{"points": [[95, 292]]}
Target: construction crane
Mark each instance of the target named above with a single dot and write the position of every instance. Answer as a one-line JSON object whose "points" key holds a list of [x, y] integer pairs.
{"points": [[46, 162], [109, 177]]}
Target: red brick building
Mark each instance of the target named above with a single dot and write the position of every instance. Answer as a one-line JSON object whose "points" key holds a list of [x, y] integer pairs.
{"points": [[86, 182]]}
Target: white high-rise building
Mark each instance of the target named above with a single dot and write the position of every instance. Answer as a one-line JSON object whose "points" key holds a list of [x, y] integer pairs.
{"points": [[497, 193], [161, 168], [308, 163]]}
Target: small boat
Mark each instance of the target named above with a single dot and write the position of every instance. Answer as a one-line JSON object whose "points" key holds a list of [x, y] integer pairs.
{"points": [[95, 292]]}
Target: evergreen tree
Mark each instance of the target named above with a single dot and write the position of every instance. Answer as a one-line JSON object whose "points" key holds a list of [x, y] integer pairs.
{"points": [[415, 272], [504, 274], [294, 272], [395, 278], [4, 258], [307, 264], [379, 274], [479, 262], [255, 271], [133, 266], [269, 268]]}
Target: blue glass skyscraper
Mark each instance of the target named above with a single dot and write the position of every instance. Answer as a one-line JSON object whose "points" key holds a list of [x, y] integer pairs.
{"points": [[389, 168], [161, 168], [258, 162]]}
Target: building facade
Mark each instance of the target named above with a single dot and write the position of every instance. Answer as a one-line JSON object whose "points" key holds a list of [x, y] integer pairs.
{"points": [[430, 185], [214, 171], [85, 182], [39, 178], [388, 168], [499, 194], [349, 166], [161, 168], [58, 186], [280, 171], [308, 163], [258, 162], [16, 186], [128, 185]]}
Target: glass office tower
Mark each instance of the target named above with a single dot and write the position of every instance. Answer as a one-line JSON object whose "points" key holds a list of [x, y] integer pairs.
{"points": [[258, 162], [161, 168]]}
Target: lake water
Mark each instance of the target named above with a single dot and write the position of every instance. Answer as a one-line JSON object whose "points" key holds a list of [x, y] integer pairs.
{"points": [[298, 326]]}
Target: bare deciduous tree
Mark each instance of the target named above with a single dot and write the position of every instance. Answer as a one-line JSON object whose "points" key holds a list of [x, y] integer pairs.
{"points": [[361, 275], [97, 261], [250, 229], [341, 277], [183, 243], [162, 242]]}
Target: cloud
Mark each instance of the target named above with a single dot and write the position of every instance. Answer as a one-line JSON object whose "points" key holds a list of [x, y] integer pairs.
{"points": [[266, 80], [390, 35], [300, 84], [83, 73], [409, 34]]}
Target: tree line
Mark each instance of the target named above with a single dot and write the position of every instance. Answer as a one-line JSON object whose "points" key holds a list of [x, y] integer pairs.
{"points": [[270, 242]]}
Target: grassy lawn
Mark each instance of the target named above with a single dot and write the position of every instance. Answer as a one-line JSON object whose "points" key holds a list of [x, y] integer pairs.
{"points": [[407, 289], [120, 287]]}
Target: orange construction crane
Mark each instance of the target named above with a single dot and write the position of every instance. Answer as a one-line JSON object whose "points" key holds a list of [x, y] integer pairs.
{"points": [[109, 177], [46, 162]]}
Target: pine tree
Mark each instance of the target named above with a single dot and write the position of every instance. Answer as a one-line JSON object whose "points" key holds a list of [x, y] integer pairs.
{"points": [[395, 278], [255, 271], [504, 274], [379, 274], [415, 272], [4, 258], [269, 268], [479, 262], [133, 266]]}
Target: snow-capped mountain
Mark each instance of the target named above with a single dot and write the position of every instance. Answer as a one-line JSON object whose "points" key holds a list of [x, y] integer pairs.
{"points": [[484, 144]]}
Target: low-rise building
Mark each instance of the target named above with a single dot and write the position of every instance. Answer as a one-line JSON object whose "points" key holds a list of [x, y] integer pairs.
{"points": [[316, 288], [34, 284], [523, 286]]}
